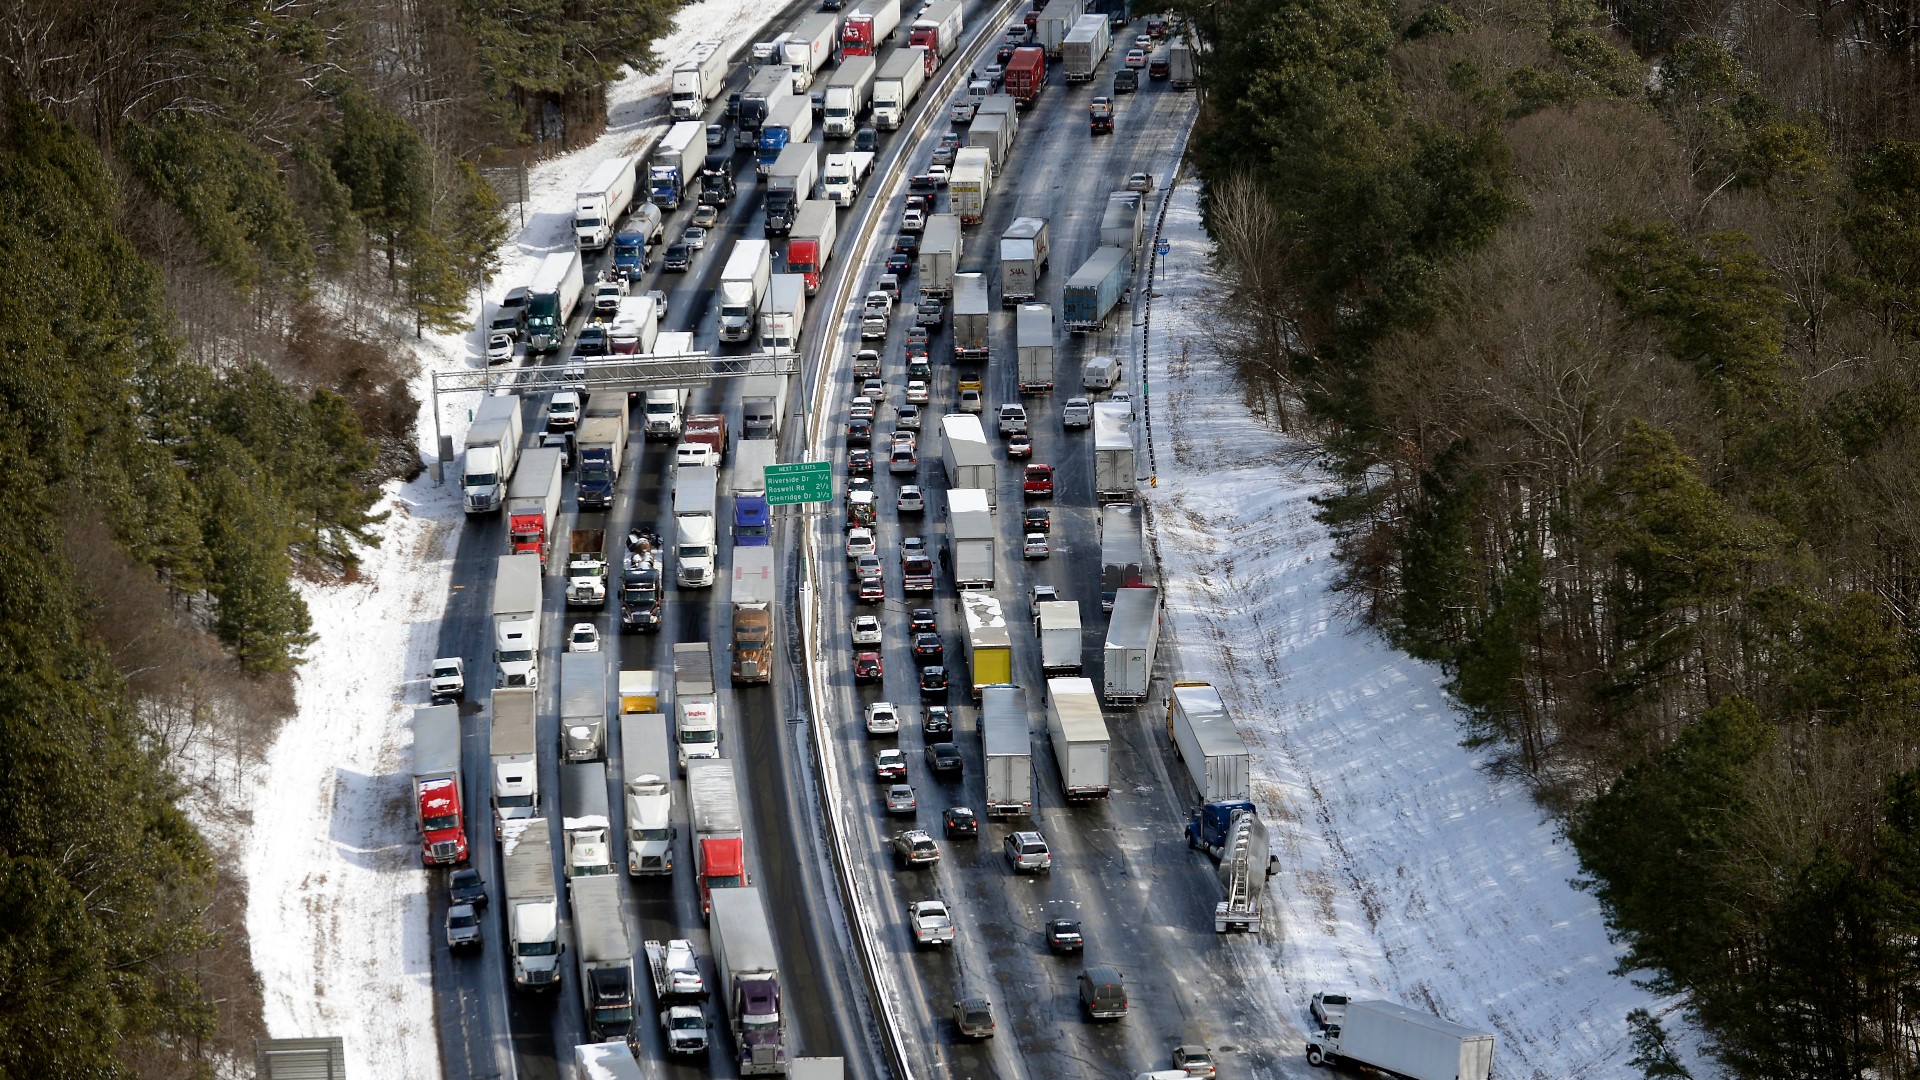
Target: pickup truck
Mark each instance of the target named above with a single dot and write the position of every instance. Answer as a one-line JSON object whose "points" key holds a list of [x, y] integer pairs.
{"points": [[932, 923]]}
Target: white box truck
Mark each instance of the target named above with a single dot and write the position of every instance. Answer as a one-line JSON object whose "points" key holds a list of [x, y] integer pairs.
{"points": [[1056, 19], [516, 621], [646, 782], [1081, 746], [970, 184], [1205, 738], [533, 907], [1057, 624], [1008, 745], [743, 288], [1024, 254], [583, 705], [784, 313], [601, 202], [515, 764], [841, 177], [940, 251], [586, 821], [1132, 636], [897, 85], [1123, 223], [698, 78], [695, 496], [967, 457], [552, 300], [972, 319], [1405, 1042], [1085, 47], [970, 538], [808, 48], [1113, 468], [493, 453], [1033, 345]]}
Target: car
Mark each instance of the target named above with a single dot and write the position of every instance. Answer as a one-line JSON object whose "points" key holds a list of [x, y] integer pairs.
{"points": [[866, 362], [499, 348], [883, 718], [932, 922], [913, 220], [695, 237], [1135, 59], [463, 927], [868, 667], [933, 683], [1041, 594], [944, 757], [866, 630], [900, 799], [907, 243], [902, 460], [859, 431], [583, 638], [873, 389], [1034, 546], [1126, 82], [1063, 935], [944, 154], [1004, 53], [573, 376], [910, 500], [716, 135], [936, 720], [994, 74], [930, 313], [1196, 1061], [1026, 852], [1013, 419], [866, 566], [917, 393], [1142, 182], [593, 341], [899, 264], [922, 185], [1037, 519], [1328, 1009], [862, 407], [960, 822], [1143, 42], [919, 368], [467, 887], [970, 402], [1076, 413], [1037, 481], [859, 542], [908, 440], [866, 140], [1159, 69], [1102, 992], [889, 287], [659, 298], [938, 173], [908, 418], [921, 620], [917, 341], [922, 203], [859, 461], [1157, 26], [873, 328], [1019, 446], [563, 411], [973, 1017], [872, 590], [928, 649], [705, 216], [915, 847], [678, 259], [890, 764]]}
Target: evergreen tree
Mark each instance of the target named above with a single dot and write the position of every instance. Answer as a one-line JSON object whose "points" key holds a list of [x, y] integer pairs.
{"points": [[1652, 1053]]}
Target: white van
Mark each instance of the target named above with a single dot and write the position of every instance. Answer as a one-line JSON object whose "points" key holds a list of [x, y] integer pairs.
{"points": [[1101, 373]]}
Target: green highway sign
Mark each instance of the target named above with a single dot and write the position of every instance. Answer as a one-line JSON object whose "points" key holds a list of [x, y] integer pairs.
{"points": [[801, 482]]}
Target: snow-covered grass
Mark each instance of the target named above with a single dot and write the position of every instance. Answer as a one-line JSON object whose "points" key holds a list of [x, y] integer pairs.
{"points": [[1408, 872]]}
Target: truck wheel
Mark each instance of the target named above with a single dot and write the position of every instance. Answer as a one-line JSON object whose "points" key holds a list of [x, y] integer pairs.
{"points": [[1314, 1057], [1191, 843]]}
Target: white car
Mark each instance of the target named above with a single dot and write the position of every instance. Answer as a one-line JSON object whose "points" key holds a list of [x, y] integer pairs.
{"points": [[1013, 419], [1035, 546], [879, 301], [883, 719], [939, 174], [866, 630], [911, 500], [932, 923], [907, 439], [970, 402], [583, 638], [1077, 413], [695, 237], [917, 392], [859, 542], [1328, 1008], [908, 417], [913, 220], [861, 408], [499, 348], [659, 303]]}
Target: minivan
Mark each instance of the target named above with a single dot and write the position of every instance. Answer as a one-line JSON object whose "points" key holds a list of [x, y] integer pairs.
{"points": [[1102, 993], [1100, 373]]}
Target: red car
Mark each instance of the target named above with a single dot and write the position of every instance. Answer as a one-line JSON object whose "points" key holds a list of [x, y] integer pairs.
{"points": [[868, 668], [1039, 480]]}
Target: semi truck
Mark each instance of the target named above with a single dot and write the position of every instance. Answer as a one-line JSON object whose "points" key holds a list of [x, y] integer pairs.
{"points": [[514, 759], [704, 442], [1123, 553], [1033, 345], [606, 957], [749, 975], [1081, 747], [849, 95], [439, 803], [1123, 222], [791, 181], [1057, 19], [868, 24], [696, 709], [1180, 65], [587, 568], [752, 521], [972, 319], [1232, 832], [1008, 746], [552, 300], [719, 845], [970, 184], [533, 907], [784, 313], [1132, 636], [966, 456], [636, 326], [673, 173], [743, 288], [762, 398], [665, 410], [583, 705], [586, 824], [1026, 76], [989, 648], [753, 590], [493, 453], [808, 48], [1205, 738], [971, 538], [633, 245], [841, 178], [789, 124], [602, 442], [1405, 1042], [516, 621], [1113, 467], [646, 785], [698, 79], [940, 251], [815, 228], [897, 86], [938, 28], [533, 502], [1085, 47], [1057, 624], [1024, 253], [768, 87], [695, 498], [607, 1061], [1096, 289], [601, 202]]}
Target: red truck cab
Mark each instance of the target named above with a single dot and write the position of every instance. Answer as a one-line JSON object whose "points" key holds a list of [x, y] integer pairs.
{"points": [[709, 429], [443, 836], [528, 533], [723, 865], [803, 258]]}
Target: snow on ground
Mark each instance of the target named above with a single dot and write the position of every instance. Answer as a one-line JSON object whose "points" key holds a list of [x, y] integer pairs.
{"points": [[1407, 872], [337, 908]]}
